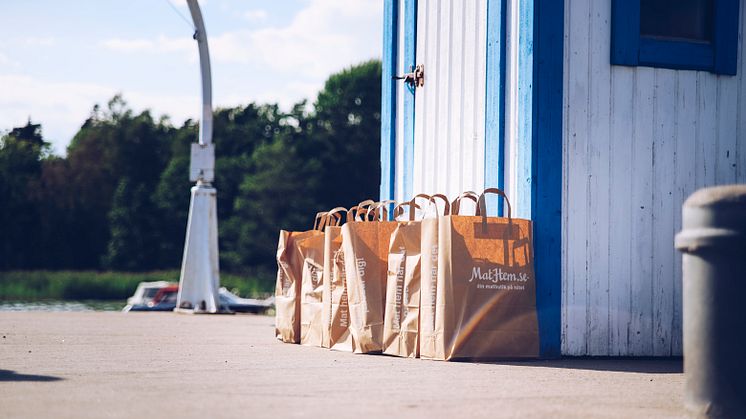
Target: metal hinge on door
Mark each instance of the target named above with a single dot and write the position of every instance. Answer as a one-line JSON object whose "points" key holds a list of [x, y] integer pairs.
{"points": [[416, 78]]}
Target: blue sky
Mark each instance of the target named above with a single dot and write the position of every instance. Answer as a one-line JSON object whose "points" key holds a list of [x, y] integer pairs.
{"points": [[59, 58]]}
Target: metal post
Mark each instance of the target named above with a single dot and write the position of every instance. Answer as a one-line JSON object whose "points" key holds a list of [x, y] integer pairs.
{"points": [[200, 35], [200, 274], [713, 240]]}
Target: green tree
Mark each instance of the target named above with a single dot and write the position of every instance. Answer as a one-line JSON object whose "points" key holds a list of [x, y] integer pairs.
{"points": [[317, 161], [279, 192], [139, 152], [120, 197], [21, 154], [347, 135]]}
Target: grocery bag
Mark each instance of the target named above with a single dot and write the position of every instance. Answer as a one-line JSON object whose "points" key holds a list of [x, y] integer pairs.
{"points": [[429, 273], [288, 285], [485, 287], [386, 227], [365, 248], [311, 253], [401, 314], [335, 311]]}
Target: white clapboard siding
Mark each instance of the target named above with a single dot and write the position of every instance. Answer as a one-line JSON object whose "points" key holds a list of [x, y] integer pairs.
{"points": [[450, 108], [637, 142]]}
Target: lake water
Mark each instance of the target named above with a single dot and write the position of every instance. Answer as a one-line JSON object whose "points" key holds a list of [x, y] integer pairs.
{"points": [[54, 305]]}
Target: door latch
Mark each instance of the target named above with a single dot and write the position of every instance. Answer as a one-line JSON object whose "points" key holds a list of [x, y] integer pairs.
{"points": [[416, 78]]}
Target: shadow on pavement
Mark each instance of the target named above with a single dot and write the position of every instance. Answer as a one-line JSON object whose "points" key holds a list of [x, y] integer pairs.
{"points": [[7, 375], [635, 365]]}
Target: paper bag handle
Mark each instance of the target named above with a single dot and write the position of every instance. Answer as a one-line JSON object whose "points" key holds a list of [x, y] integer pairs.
{"points": [[361, 212], [431, 200], [351, 214], [366, 203], [421, 195], [399, 209], [508, 231], [337, 217], [383, 214], [324, 220], [482, 207], [319, 215], [456, 204]]}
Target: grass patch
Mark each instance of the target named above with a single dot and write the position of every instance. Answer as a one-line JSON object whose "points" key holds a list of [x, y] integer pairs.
{"points": [[92, 285]]}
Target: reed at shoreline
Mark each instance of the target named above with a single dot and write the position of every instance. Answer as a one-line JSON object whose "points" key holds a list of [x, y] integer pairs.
{"points": [[108, 285]]}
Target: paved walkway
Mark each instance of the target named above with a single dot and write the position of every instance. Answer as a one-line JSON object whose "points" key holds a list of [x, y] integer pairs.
{"points": [[96, 365]]}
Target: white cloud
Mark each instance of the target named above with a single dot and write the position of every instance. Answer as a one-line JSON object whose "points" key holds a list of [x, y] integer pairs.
{"points": [[183, 3], [284, 94], [46, 41], [62, 107], [29, 41], [257, 15], [294, 59], [6, 62], [322, 38], [159, 45]]}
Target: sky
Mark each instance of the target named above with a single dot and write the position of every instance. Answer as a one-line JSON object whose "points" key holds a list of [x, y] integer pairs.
{"points": [[60, 58]]}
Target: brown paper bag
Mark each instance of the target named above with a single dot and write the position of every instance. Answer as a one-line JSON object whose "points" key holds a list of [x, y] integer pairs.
{"points": [[335, 311], [386, 228], [485, 288], [401, 315], [429, 275], [311, 253], [365, 247], [288, 286]]}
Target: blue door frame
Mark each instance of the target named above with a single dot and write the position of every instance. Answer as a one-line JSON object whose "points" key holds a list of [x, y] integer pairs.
{"points": [[388, 98], [539, 163], [546, 168], [392, 22]]}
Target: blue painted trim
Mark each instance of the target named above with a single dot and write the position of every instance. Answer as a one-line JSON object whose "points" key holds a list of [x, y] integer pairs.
{"points": [[388, 99], [522, 203], [625, 32], [546, 170], [727, 13], [409, 57], [675, 54], [494, 133], [629, 48]]}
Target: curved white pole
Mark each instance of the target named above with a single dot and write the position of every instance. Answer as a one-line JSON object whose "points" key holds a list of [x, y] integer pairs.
{"points": [[205, 127], [199, 281]]}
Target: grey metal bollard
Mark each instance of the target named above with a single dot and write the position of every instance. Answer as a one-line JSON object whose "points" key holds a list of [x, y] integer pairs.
{"points": [[713, 240]]}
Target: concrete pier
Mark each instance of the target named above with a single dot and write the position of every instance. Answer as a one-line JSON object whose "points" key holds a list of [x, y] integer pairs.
{"points": [[94, 365]]}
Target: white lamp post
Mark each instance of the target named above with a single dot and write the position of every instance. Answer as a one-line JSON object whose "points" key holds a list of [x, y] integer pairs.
{"points": [[200, 273]]}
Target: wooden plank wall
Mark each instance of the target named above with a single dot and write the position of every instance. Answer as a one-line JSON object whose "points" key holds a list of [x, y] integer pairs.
{"points": [[450, 108], [637, 142]]}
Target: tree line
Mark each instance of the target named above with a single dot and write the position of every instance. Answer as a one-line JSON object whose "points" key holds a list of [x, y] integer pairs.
{"points": [[119, 198]]}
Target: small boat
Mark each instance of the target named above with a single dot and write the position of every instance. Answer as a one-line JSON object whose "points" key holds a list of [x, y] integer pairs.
{"points": [[146, 293], [162, 295], [237, 304], [153, 296]]}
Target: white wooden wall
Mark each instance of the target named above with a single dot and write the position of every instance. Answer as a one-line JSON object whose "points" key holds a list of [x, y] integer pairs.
{"points": [[637, 142], [449, 109]]}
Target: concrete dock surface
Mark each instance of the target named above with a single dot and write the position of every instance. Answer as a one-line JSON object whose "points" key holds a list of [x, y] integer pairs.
{"points": [[104, 364]]}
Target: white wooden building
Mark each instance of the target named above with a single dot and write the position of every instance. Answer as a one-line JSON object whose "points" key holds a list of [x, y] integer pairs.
{"points": [[598, 118]]}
